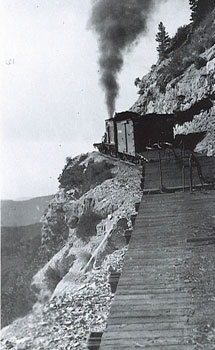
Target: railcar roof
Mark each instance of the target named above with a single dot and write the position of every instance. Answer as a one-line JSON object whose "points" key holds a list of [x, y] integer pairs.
{"points": [[135, 116]]}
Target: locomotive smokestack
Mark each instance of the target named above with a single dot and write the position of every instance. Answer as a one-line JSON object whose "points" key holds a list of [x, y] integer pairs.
{"points": [[118, 24]]}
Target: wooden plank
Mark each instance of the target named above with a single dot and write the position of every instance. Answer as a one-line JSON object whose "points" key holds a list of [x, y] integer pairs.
{"points": [[153, 326], [136, 312], [144, 335], [153, 341], [159, 302], [136, 346]]}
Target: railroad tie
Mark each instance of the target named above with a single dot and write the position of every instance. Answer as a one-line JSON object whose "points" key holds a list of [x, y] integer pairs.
{"points": [[94, 340], [127, 236], [113, 280], [207, 240], [137, 206], [133, 218]]}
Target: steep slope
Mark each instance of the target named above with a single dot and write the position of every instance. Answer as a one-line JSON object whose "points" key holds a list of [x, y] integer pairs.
{"points": [[20, 247], [82, 230], [82, 238], [86, 219], [20, 254], [184, 83]]}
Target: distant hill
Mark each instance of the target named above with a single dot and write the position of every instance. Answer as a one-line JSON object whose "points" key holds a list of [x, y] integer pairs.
{"points": [[22, 213], [20, 253], [20, 260]]}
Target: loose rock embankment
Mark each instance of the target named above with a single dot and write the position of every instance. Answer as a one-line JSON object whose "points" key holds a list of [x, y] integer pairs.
{"points": [[72, 288]]}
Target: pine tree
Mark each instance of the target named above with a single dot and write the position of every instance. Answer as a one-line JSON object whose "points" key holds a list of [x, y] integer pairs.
{"points": [[137, 81], [163, 40], [199, 8], [193, 7]]}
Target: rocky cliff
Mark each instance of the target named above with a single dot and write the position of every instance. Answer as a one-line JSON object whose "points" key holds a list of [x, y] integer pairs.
{"points": [[86, 220], [184, 82], [82, 239], [83, 227]]}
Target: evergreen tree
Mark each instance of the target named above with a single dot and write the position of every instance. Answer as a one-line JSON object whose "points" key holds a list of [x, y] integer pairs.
{"points": [[163, 40], [193, 7], [137, 81], [199, 8]]}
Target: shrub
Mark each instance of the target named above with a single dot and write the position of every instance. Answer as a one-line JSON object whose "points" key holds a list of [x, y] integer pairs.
{"points": [[86, 227], [187, 53], [95, 174], [187, 62], [142, 88], [68, 160], [53, 278], [137, 81], [83, 157], [72, 176], [179, 38], [200, 8], [84, 177], [200, 62]]}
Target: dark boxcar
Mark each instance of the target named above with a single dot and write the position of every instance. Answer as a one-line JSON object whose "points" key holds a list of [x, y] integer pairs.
{"points": [[128, 134], [135, 132]]}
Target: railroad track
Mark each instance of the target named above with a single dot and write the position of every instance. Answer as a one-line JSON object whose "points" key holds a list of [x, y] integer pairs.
{"points": [[119, 160]]}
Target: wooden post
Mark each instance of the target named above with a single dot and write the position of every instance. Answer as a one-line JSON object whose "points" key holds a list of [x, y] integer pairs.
{"points": [[191, 173], [160, 168], [183, 168]]}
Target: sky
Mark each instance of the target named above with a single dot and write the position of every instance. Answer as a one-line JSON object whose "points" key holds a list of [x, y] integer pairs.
{"points": [[52, 105]]}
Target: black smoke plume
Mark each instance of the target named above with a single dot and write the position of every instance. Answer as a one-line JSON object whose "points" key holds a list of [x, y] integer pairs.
{"points": [[118, 24]]}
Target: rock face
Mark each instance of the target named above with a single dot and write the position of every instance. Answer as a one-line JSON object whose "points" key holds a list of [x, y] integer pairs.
{"points": [[65, 321], [87, 226], [181, 93], [193, 91], [84, 225], [83, 233]]}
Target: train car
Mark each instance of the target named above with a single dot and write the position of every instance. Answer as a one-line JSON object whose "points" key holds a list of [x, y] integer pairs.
{"points": [[128, 134]]}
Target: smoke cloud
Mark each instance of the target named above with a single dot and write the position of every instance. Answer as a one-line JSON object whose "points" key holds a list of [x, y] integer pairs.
{"points": [[118, 24]]}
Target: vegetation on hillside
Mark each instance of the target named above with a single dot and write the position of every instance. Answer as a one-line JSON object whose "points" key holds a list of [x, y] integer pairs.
{"points": [[84, 177], [78, 177], [20, 260], [87, 223], [163, 40], [23, 212], [189, 52], [185, 49], [200, 8], [54, 230]]}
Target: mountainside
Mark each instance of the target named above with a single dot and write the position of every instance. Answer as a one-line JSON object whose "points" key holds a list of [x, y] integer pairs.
{"points": [[21, 213], [82, 238], [83, 227], [20, 260], [20, 254], [184, 83]]}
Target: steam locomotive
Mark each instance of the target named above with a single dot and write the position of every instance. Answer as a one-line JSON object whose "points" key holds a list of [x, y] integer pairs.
{"points": [[127, 134]]}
